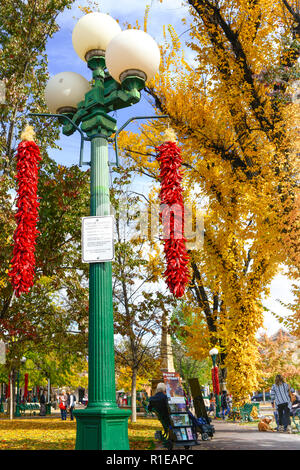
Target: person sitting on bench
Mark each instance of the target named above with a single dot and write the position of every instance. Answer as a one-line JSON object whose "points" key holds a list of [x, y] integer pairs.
{"points": [[159, 402]]}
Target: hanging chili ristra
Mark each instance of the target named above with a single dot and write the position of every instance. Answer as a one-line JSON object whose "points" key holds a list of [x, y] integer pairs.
{"points": [[215, 380], [23, 262], [172, 215]]}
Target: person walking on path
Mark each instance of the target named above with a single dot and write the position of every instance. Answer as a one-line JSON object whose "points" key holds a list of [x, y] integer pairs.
{"points": [[62, 403], [68, 401], [229, 401], [224, 404], [281, 400], [43, 404], [212, 404], [119, 400], [72, 403]]}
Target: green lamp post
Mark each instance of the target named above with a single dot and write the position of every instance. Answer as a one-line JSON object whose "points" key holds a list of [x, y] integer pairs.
{"points": [[214, 353], [17, 412], [121, 62]]}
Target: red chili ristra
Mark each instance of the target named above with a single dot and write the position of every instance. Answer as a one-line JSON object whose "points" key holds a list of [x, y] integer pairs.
{"points": [[23, 262], [172, 217]]}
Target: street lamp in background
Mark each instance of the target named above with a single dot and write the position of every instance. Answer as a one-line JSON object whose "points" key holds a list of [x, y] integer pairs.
{"points": [[214, 353], [121, 62]]}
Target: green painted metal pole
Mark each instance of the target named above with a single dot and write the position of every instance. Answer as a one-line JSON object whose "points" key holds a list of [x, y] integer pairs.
{"points": [[102, 425], [101, 329], [17, 412]]}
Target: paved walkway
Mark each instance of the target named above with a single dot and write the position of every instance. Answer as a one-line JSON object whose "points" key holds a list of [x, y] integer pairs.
{"points": [[231, 436]]}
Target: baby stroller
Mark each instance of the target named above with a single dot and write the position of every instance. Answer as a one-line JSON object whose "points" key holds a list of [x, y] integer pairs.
{"points": [[201, 422], [202, 425]]}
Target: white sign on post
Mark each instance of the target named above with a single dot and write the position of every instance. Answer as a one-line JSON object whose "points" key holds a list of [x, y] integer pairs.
{"points": [[97, 239]]}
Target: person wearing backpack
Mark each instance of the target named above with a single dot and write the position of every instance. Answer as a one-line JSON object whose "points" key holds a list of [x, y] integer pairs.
{"points": [[72, 405]]}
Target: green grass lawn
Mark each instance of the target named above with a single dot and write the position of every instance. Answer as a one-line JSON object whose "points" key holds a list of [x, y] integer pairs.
{"points": [[51, 433]]}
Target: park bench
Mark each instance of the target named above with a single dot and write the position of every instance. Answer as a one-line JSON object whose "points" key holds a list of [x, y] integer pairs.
{"points": [[246, 411], [164, 435], [31, 407], [140, 405], [145, 407], [243, 413], [296, 420]]}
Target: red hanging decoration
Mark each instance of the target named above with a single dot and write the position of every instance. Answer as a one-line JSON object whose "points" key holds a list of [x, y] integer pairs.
{"points": [[215, 380], [23, 261], [172, 216]]}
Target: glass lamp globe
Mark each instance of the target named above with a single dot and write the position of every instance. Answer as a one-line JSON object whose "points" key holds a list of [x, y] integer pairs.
{"points": [[65, 90], [214, 352], [132, 52], [92, 33]]}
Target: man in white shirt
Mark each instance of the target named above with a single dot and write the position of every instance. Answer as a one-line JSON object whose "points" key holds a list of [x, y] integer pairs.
{"points": [[72, 405]]}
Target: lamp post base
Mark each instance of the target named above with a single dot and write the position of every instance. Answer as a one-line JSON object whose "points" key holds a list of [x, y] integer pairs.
{"points": [[103, 428], [17, 412], [48, 408]]}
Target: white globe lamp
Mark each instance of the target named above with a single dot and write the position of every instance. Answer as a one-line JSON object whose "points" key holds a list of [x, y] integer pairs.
{"points": [[92, 33], [64, 91], [214, 352], [132, 53]]}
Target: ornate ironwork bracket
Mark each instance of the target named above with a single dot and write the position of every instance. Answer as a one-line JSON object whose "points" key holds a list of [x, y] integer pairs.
{"points": [[84, 138]]}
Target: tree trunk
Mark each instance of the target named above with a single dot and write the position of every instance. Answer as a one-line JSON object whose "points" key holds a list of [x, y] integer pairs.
{"points": [[222, 371], [133, 395]]}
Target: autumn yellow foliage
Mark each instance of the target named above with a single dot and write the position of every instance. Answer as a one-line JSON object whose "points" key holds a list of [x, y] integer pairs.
{"points": [[124, 380], [237, 125]]}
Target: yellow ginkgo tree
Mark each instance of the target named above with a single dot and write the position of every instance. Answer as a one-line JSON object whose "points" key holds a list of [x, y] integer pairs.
{"points": [[236, 118]]}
